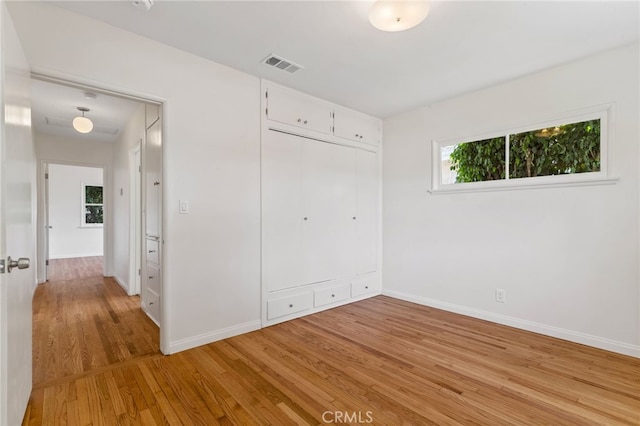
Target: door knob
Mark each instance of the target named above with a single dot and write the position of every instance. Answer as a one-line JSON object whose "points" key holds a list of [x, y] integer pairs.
{"points": [[22, 263]]}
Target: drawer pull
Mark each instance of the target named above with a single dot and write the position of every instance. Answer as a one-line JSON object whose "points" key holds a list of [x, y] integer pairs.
{"points": [[152, 251], [150, 277], [150, 303], [156, 183]]}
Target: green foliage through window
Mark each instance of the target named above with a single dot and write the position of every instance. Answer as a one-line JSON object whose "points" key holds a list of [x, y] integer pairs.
{"points": [[93, 205], [565, 149]]}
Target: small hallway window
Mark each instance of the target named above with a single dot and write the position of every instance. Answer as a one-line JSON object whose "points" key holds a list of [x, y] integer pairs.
{"points": [[93, 205]]}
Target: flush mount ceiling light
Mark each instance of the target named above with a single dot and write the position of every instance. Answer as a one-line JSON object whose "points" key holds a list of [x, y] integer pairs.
{"points": [[398, 15], [143, 4], [82, 124]]}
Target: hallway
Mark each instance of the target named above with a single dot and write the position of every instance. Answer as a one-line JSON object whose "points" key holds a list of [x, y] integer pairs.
{"points": [[84, 323]]}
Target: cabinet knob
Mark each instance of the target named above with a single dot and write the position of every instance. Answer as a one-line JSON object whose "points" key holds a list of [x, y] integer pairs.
{"points": [[354, 218], [360, 136], [150, 277], [333, 295], [150, 303], [156, 183], [366, 287], [305, 121], [291, 305], [305, 218], [357, 135], [299, 120]]}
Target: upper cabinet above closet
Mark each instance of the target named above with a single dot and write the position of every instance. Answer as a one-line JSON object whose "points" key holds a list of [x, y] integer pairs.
{"points": [[355, 126], [315, 116], [152, 114], [288, 107]]}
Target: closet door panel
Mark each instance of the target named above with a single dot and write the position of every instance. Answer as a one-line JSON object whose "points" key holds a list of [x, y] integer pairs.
{"points": [[328, 200], [152, 179], [281, 210], [366, 212]]}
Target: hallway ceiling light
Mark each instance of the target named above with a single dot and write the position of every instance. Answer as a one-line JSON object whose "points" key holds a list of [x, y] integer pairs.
{"points": [[82, 124], [143, 4], [398, 15]]}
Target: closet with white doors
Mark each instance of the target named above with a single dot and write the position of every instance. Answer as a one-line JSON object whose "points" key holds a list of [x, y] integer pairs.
{"points": [[320, 205], [151, 282]]}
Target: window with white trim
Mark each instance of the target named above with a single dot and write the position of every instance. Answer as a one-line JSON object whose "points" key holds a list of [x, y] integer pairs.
{"points": [[566, 150], [92, 205]]}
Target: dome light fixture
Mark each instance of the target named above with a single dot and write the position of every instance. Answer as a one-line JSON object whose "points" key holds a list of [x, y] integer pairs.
{"points": [[82, 124], [398, 15]]}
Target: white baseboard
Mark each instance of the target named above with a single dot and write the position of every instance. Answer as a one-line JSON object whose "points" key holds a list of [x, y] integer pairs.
{"points": [[203, 339], [547, 330], [122, 284]]}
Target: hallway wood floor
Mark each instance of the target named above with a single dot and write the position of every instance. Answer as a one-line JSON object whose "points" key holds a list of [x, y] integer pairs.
{"points": [[382, 359], [75, 268]]}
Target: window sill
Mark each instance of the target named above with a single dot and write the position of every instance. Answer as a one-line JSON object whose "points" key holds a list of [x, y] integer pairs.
{"points": [[510, 185]]}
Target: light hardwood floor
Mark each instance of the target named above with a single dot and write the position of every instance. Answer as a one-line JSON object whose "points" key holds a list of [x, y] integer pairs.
{"points": [[381, 359], [75, 268]]}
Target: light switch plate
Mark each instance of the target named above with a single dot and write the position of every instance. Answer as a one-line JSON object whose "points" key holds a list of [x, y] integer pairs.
{"points": [[184, 207]]}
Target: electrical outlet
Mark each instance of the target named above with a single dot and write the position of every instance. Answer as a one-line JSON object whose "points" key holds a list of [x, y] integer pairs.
{"points": [[501, 295]]}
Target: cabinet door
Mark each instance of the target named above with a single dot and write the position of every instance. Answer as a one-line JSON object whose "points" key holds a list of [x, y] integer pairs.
{"points": [[152, 172], [152, 114], [281, 210], [328, 200], [356, 127], [299, 110], [366, 212]]}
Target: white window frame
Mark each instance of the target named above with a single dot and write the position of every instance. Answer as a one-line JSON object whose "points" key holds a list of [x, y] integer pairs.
{"points": [[603, 177], [83, 205]]}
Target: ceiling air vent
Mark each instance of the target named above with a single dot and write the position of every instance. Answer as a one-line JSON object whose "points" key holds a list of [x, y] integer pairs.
{"points": [[282, 64]]}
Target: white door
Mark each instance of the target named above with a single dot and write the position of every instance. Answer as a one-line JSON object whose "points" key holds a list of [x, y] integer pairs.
{"points": [[328, 202], [366, 212], [17, 229], [153, 173], [282, 216]]}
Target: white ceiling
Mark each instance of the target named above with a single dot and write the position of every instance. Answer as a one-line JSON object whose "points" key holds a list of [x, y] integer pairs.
{"points": [[460, 47], [57, 104]]}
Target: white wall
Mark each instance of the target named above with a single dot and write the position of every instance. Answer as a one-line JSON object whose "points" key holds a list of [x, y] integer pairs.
{"points": [[567, 257], [132, 134], [79, 152], [67, 238], [211, 136]]}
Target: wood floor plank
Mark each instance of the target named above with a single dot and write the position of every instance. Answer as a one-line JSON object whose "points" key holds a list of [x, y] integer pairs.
{"points": [[96, 362]]}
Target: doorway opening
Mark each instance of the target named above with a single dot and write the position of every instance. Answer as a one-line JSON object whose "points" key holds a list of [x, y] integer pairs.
{"points": [[74, 229], [125, 207]]}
